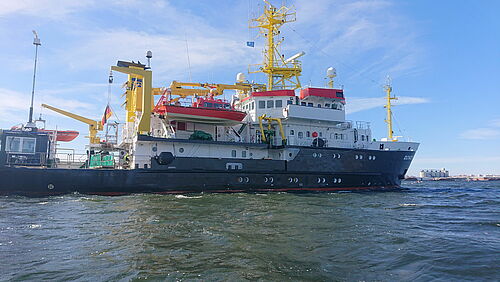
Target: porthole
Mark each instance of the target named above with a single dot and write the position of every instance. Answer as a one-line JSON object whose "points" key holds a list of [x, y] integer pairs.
{"points": [[335, 180], [295, 180], [247, 179], [314, 155], [181, 150], [340, 180], [357, 157], [266, 179], [271, 179], [50, 186], [240, 179], [360, 157], [290, 155], [334, 156], [369, 183], [319, 155], [319, 180], [323, 180], [290, 179], [338, 156], [373, 158], [370, 158]]}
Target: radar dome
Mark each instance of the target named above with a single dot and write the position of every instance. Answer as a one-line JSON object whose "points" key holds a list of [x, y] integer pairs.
{"points": [[331, 72], [240, 77]]}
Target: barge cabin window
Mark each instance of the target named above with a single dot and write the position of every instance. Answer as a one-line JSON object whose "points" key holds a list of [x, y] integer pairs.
{"points": [[24, 145]]}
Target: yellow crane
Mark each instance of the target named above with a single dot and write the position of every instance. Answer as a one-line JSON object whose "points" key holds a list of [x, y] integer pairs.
{"points": [[94, 126], [214, 89]]}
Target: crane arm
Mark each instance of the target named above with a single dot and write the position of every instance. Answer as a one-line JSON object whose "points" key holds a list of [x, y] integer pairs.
{"points": [[88, 121]]}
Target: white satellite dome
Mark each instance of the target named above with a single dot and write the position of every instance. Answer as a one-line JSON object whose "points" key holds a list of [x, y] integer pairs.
{"points": [[240, 77], [331, 72]]}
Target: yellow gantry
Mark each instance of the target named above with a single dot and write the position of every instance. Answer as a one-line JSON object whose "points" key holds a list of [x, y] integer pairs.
{"points": [[139, 94], [281, 73], [388, 120], [94, 126], [269, 121]]}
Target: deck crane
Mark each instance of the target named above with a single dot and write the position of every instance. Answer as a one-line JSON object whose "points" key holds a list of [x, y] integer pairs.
{"points": [[94, 126]]}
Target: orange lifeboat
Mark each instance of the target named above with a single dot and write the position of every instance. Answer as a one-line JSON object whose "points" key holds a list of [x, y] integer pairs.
{"points": [[203, 110], [63, 135]]}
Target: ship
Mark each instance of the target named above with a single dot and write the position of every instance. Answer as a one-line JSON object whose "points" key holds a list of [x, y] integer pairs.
{"points": [[276, 136]]}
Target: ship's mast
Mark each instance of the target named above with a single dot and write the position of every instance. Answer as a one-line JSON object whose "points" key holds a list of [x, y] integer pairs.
{"points": [[281, 73], [388, 120], [36, 42]]}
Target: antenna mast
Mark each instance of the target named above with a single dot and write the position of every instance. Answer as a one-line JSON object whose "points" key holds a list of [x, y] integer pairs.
{"points": [[36, 42], [388, 120], [281, 73]]}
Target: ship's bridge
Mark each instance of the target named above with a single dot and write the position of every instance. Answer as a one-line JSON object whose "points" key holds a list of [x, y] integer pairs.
{"points": [[319, 104]]}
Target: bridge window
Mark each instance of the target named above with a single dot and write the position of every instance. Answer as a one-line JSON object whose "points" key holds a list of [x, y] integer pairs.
{"points": [[270, 104], [308, 134], [279, 103], [289, 102], [20, 145], [334, 106], [292, 132], [253, 105], [243, 154], [207, 105], [262, 104], [29, 145], [327, 105], [310, 105], [301, 134], [302, 103], [13, 144], [233, 153]]}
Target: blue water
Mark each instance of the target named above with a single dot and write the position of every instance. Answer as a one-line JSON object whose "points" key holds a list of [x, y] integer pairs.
{"points": [[432, 231]]}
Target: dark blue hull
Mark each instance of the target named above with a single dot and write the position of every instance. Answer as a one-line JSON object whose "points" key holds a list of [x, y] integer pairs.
{"points": [[194, 175]]}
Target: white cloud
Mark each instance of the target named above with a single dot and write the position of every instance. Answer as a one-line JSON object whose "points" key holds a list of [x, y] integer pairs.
{"points": [[492, 132], [15, 105], [369, 31], [454, 160], [495, 123], [53, 9], [481, 134], [362, 104], [169, 51]]}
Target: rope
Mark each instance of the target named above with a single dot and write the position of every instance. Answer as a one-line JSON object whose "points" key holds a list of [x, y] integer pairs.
{"points": [[352, 68], [188, 60], [400, 129]]}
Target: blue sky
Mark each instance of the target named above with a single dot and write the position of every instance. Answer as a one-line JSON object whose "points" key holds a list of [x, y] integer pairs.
{"points": [[443, 57]]}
